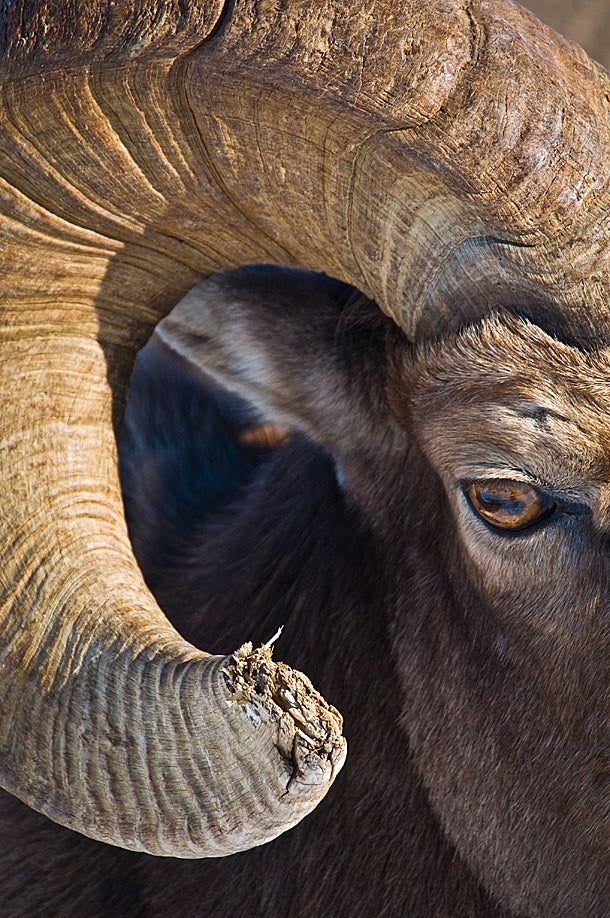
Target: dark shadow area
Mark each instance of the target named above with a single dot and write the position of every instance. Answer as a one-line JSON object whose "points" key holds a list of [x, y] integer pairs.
{"points": [[216, 496]]}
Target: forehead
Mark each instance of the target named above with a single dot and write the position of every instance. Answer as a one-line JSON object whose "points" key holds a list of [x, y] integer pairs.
{"points": [[506, 393]]}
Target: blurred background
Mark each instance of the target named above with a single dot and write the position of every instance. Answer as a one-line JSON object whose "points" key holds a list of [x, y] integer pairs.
{"points": [[586, 21]]}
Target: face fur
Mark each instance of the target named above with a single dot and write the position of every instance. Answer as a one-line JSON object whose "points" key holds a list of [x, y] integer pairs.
{"points": [[504, 645]]}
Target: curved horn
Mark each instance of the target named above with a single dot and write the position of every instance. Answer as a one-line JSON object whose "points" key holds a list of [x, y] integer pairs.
{"points": [[444, 157]]}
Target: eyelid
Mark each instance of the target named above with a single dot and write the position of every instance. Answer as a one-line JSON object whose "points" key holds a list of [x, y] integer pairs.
{"points": [[502, 473], [565, 495]]}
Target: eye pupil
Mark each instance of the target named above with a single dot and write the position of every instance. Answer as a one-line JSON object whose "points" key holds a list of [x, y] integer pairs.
{"points": [[509, 504], [495, 502]]}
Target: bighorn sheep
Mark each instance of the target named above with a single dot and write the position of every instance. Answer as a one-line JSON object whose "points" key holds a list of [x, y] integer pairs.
{"points": [[440, 568], [448, 158]]}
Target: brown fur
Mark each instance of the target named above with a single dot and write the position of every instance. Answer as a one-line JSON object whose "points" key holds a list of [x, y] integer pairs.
{"points": [[267, 436], [471, 666]]}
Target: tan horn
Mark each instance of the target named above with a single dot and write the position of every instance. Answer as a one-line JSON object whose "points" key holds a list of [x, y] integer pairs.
{"points": [[445, 157]]}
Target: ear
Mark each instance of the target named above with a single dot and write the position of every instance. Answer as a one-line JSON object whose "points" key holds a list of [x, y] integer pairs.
{"points": [[304, 349]]}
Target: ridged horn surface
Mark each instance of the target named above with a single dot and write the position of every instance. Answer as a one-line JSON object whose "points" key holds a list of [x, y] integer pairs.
{"points": [[447, 158]]}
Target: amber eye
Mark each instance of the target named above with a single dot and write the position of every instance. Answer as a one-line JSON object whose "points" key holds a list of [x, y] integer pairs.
{"points": [[509, 504]]}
